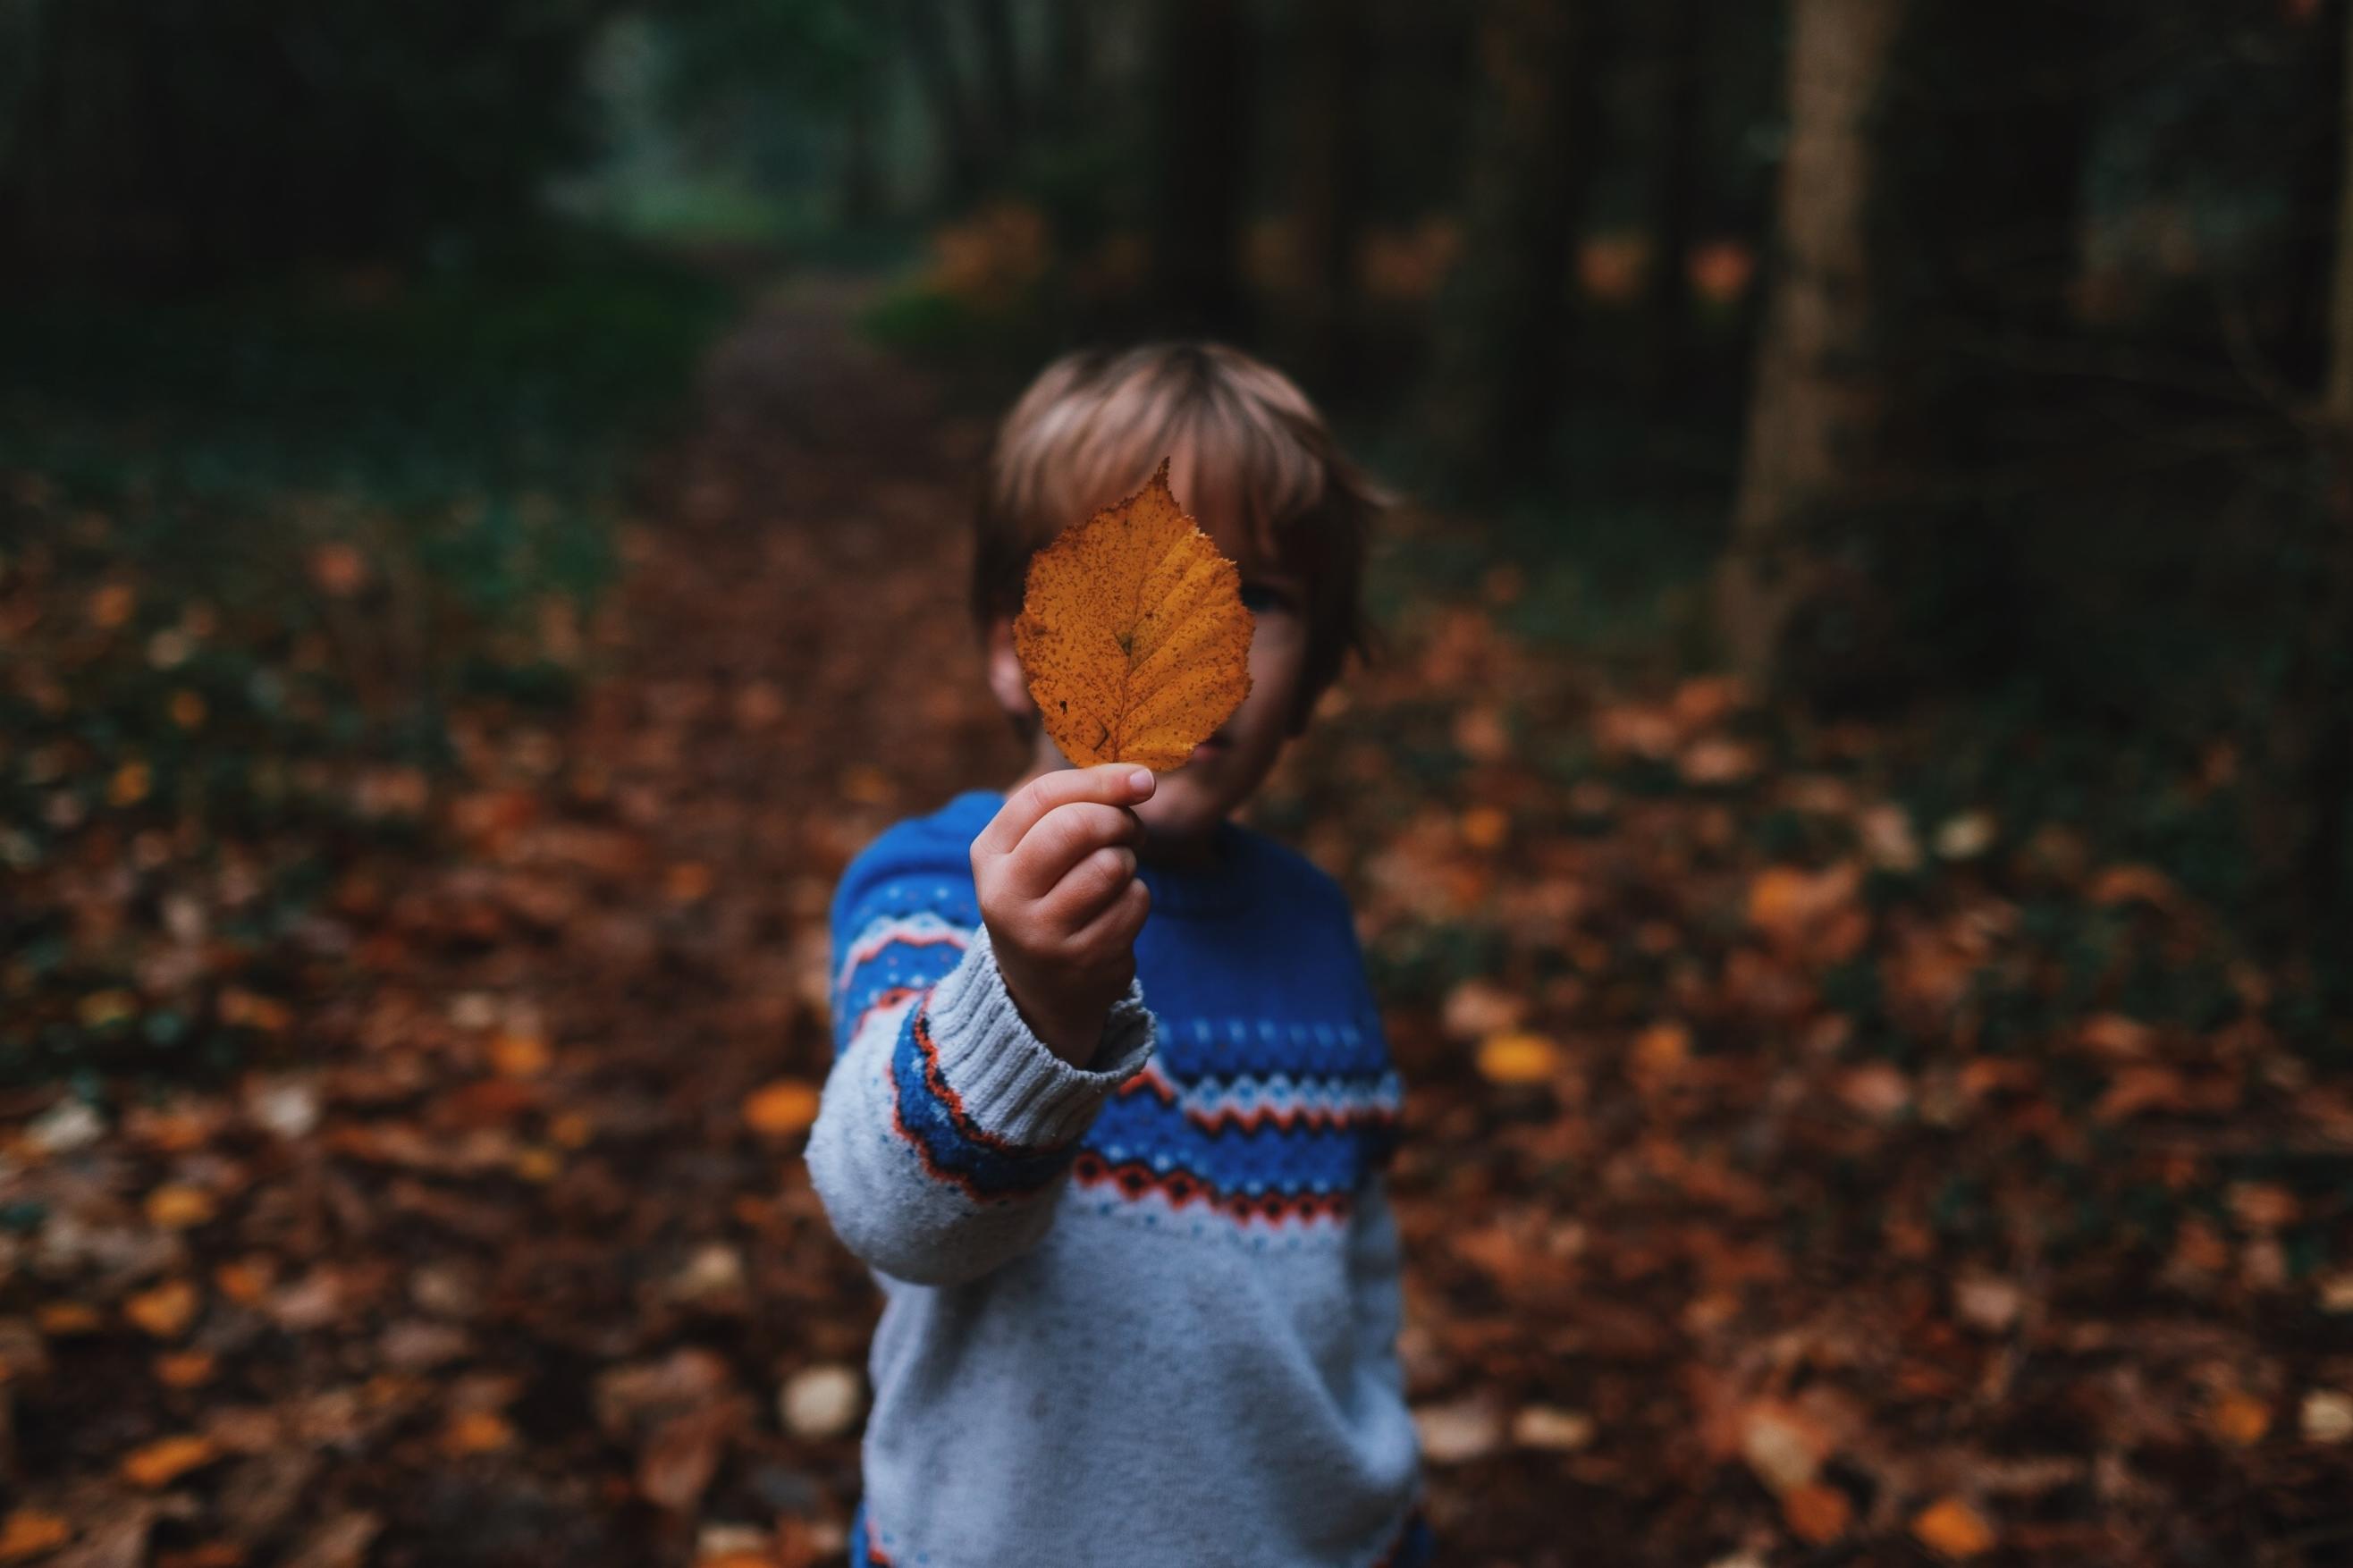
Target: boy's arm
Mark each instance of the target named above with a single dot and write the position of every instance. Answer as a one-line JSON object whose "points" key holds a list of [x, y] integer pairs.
{"points": [[948, 1124]]}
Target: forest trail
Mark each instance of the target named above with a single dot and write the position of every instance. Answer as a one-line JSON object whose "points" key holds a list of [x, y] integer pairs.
{"points": [[1738, 1103]]}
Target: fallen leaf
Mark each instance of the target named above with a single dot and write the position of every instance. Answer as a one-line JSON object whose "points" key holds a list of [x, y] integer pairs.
{"points": [[64, 1320], [781, 1108], [162, 1462], [166, 1310], [1563, 1431], [684, 1454], [476, 1432], [821, 1401], [1816, 1513], [2327, 1416], [185, 1369], [1967, 836], [520, 1055], [1951, 1528], [1781, 1446], [29, 1532], [1517, 1056], [1458, 1432], [1133, 636], [2238, 1418], [175, 1206]]}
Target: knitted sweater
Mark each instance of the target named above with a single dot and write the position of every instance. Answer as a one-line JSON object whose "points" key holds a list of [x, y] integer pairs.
{"points": [[1143, 1312]]}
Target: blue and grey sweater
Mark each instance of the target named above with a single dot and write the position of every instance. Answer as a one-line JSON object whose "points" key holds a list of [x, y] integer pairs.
{"points": [[1141, 1313]]}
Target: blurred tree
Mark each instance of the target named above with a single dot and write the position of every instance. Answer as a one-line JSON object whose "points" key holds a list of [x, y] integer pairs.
{"points": [[168, 138], [1331, 179], [751, 73], [1679, 41], [2321, 690], [1203, 123], [965, 152], [1927, 234], [1534, 74]]}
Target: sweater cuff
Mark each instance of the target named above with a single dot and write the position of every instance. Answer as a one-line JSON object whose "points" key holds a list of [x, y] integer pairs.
{"points": [[1010, 1083]]}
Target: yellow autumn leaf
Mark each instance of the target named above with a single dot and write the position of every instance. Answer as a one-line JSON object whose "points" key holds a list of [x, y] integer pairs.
{"points": [[1133, 636], [185, 1369], [29, 1532], [166, 1310], [175, 1207], [1515, 1055], [63, 1319], [1951, 1528], [162, 1462], [476, 1432], [781, 1108], [520, 1055]]}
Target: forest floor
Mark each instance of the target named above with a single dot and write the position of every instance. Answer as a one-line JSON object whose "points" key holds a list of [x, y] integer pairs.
{"points": [[1789, 1174]]}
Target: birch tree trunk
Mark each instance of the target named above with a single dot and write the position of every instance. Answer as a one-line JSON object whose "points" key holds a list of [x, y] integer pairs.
{"points": [[1817, 430]]}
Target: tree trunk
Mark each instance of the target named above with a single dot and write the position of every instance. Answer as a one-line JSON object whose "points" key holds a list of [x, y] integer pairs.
{"points": [[964, 163], [1331, 196], [1675, 197], [1927, 236], [1001, 65], [1068, 99], [2322, 704], [1817, 419], [1531, 159], [1204, 102]]}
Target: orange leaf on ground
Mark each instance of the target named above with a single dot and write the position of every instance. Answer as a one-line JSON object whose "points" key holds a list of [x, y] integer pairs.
{"points": [[164, 1311], [1133, 636], [29, 1532], [176, 1207], [1816, 1513], [1517, 1056], [185, 1369], [162, 1462], [2239, 1418], [476, 1432], [781, 1108], [1951, 1528]]}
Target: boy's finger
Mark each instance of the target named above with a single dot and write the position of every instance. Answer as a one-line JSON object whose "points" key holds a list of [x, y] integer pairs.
{"points": [[1098, 877], [1063, 839], [1112, 784], [1117, 923]]}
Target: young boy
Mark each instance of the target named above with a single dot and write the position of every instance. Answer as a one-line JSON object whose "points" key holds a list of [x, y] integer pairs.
{"points": [[1120, 1177]]}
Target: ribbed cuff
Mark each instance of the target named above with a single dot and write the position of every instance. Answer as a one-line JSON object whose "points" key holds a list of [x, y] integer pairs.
{"points": [[1010, 1083]]}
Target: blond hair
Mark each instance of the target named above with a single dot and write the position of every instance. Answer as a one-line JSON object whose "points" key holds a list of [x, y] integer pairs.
{"points": [[1092, 427]]}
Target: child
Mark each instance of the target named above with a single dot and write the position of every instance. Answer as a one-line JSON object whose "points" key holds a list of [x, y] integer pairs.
{"points": [[1140, 1276]]}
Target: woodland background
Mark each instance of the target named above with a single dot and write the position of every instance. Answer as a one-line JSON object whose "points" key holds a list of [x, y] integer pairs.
{"points": [[1851, 821]]}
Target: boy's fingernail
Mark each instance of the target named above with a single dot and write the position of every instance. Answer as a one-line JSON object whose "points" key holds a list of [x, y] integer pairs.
{"points": [[1142, 779]]}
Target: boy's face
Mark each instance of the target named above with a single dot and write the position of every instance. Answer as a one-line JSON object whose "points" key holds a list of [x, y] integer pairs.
{"points": [[1226, 768]]}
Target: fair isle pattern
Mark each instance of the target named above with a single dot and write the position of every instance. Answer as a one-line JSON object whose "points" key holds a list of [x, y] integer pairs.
{"points": [[1252, 1104], [1262, 1122], [921, 946], [928, 1114]]}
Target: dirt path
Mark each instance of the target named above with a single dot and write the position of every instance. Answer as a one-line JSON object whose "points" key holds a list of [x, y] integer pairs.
{"points": [[1730, 1236], [507, 1277]]}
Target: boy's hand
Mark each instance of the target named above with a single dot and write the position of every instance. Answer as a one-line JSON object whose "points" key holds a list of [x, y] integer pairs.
{"points": [[1056, 874]]}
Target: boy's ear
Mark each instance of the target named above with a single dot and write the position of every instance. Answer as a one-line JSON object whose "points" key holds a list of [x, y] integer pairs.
{"points": [[1006, 678]]}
